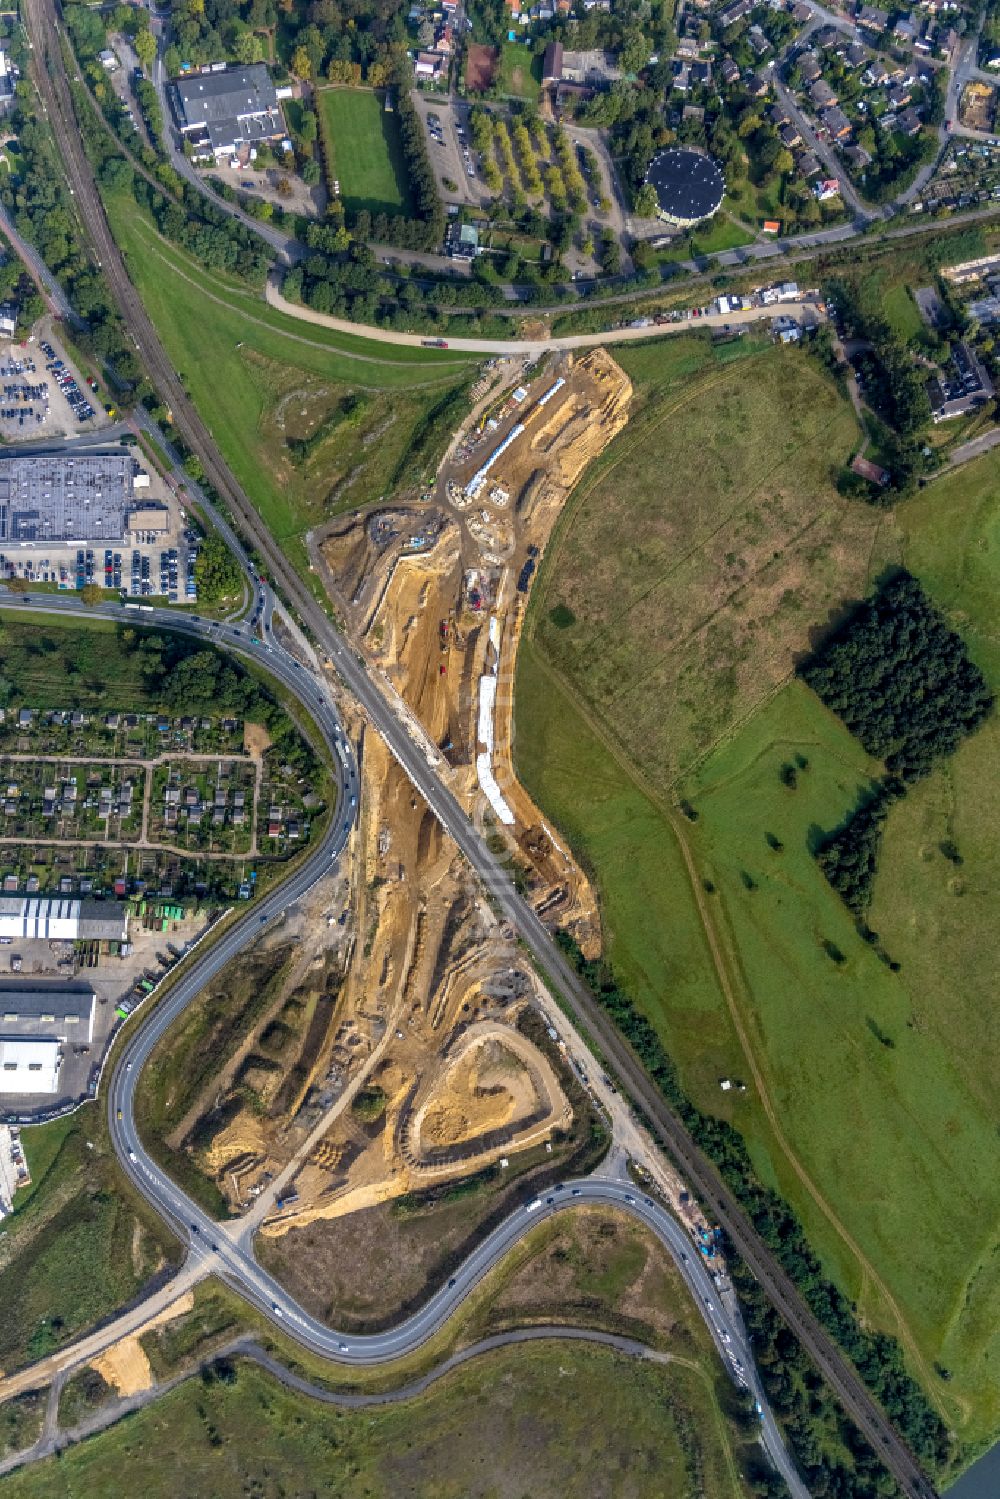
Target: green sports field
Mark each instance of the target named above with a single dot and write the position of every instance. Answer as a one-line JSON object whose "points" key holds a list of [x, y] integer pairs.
{"points": [[520, 71], [367, 154], [871, 1096]]}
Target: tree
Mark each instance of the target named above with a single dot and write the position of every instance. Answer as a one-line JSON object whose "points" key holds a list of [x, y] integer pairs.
{"points": [[248, 48], [145, 46], [216, 571], [91, 594], [646, 201], [301, 64]]}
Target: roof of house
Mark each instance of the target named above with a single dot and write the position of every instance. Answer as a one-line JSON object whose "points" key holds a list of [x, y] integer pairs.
{"points": [[552, 63]]}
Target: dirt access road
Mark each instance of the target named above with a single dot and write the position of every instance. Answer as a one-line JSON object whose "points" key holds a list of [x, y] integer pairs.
{"points": [[805, 312]]}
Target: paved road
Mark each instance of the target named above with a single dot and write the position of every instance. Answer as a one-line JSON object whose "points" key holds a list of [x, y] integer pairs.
{"points": [[422, 763], [52, 1440]]}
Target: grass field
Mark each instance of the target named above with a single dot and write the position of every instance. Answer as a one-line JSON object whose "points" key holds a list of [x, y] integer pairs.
{"points": [[903, 313], [367, 151], [78, 1244], [553, 1418], [265, 382], [691, 593], [871, 1098], [54, 661], [520, 72], [549, 1419]]}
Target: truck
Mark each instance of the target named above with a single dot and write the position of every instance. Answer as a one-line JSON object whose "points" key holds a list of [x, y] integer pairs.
{"points": [[434, 343], [534, 1206]]}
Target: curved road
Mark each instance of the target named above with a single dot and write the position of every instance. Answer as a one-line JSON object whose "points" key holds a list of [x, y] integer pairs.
{"points": [[423, 765], [219, 1248]]}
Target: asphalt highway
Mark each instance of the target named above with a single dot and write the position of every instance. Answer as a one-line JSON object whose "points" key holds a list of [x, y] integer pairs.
{"points": [[211, 1243], [424, 767]]}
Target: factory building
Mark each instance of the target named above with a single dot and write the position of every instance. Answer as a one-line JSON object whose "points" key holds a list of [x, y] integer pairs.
{"points": [[221, 110], [37, 1023], [30, 1066], [62, 918], [47, 1011], [52, 499]]}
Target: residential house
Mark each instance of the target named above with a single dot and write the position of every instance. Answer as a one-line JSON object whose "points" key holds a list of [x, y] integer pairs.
{"points": [[905, 31], [790, 137], [429, 65], [828, 187], [821, 95], [734, 12], [552, 63], [808, 165], [809, 67], [758, 41], [872, 18], [909, 122], [729, 72], [836, 124]]}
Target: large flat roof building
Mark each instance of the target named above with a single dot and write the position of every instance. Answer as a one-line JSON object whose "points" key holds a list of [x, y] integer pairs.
{"points": [[62, 918], [221, 110], [29, 1066], [47, 1012], [52, 498]]}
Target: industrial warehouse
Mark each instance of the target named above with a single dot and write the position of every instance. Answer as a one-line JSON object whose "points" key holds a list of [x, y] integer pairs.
{"points": [[62, 498], [220, 110], [62, 919], [37, 1023]]}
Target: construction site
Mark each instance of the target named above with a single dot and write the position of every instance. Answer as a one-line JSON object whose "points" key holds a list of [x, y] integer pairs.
{"points": [[384, 1057], [978, 106], [385, 1052], [436, 591]]}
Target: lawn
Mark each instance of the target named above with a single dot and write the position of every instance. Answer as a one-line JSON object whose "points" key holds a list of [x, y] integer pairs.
{"points": [[722, 234], [903, 313], [883, 1086], [367, 152], [520, 72], [266, 384], [546, 1419]]}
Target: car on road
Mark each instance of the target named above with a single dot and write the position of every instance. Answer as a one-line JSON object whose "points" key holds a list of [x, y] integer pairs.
{"points": [[276, 1309], [131, 1155]]}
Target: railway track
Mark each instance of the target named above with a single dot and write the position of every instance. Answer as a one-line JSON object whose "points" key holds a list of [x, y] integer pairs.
{"points": [[44, 29]]}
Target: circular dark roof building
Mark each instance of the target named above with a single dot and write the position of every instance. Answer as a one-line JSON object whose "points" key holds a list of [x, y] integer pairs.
{"points": [[689, 185]]}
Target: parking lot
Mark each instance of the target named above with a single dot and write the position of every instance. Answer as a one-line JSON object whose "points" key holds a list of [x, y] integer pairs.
{"points": [[143, 564], [42, 396], [448, 145]]}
